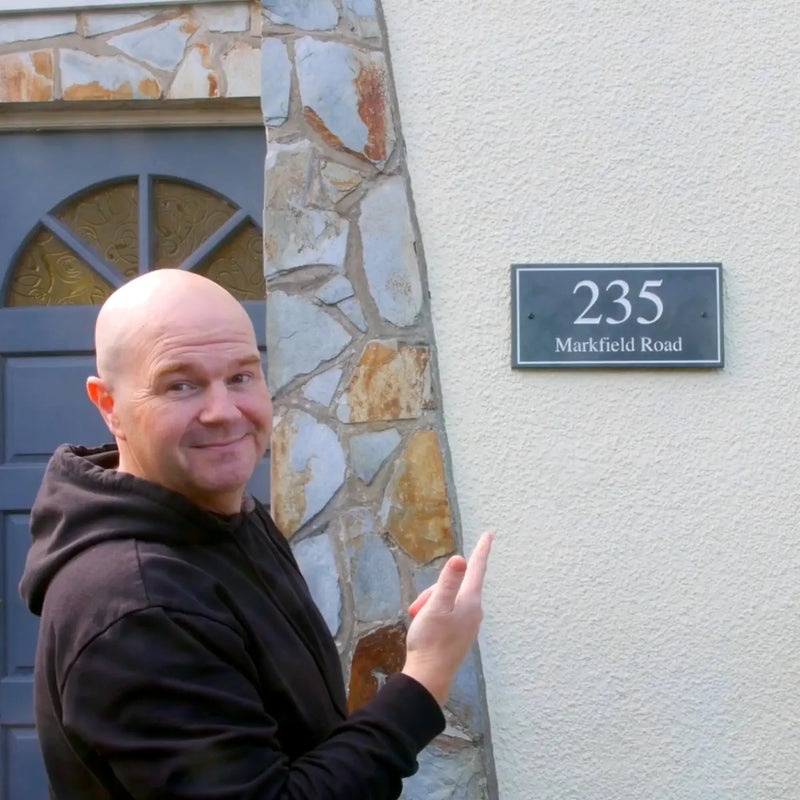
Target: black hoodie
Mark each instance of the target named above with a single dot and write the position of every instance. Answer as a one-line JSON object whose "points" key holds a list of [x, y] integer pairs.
{"points": [[181, 655]]}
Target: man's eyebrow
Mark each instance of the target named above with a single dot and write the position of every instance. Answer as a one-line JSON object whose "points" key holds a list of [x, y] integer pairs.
{"points": [[187, 367]]}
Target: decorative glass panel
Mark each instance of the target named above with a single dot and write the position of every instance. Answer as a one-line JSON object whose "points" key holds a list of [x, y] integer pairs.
{"points": [[48, 273], [236, 264], [107, 219], [186, 216]]}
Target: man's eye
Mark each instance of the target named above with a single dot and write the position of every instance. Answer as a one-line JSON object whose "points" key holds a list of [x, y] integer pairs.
{"points": [[179, 386], [241, 377]]}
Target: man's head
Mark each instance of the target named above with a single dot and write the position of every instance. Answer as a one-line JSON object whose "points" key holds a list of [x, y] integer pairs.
{"points": [[180, 386]]}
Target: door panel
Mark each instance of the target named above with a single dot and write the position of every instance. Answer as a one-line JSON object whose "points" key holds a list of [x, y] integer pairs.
{"points": [[90, 211]]}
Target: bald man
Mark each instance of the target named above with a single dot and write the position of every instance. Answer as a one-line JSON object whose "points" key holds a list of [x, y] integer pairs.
{"points": [[180, 653]]}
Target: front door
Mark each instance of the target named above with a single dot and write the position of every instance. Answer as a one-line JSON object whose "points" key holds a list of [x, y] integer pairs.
{"points": [[80, 214]]}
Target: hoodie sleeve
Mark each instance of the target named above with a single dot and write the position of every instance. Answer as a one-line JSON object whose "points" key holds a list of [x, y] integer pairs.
{"points": [[160, 698]]}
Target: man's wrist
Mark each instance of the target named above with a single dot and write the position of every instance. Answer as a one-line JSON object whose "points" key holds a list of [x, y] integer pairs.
{"points": [[437, 685]]}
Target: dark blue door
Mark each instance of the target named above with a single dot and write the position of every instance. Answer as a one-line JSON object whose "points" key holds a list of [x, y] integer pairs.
{"points": [[80, 214]]}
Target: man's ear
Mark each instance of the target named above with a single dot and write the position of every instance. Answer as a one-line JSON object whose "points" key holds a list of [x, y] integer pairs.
{"points": [[100, 394]]}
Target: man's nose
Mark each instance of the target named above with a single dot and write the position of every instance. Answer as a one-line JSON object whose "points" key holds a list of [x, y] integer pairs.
{"points": [[219, 405]]}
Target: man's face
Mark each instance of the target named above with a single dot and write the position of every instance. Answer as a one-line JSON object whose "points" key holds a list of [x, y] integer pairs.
{"points": [[192, 410]]}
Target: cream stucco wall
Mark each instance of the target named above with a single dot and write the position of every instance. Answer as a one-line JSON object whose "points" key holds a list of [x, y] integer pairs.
{"points": [[641, 637]]}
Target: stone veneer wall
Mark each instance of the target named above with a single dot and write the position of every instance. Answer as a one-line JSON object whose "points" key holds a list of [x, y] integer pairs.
{"points": [[163, 52], [360, 471]]}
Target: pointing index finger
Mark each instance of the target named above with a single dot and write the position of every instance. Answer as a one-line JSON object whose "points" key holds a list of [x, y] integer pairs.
{"points": [[476, 566]]}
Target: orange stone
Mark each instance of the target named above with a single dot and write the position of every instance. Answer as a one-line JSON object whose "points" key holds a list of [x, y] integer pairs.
{"points": [[377, 656], [287, 486], [389, 382], [418, 511], [26, 77]]}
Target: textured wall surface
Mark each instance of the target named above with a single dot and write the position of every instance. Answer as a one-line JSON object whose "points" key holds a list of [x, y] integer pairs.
{"points": [[641, 637]]}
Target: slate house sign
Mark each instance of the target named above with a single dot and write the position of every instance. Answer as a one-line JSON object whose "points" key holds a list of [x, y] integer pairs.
{"points": [[616, 315]]}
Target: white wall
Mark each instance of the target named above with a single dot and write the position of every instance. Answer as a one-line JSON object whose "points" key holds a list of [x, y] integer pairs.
{"points": [[641, 637]]}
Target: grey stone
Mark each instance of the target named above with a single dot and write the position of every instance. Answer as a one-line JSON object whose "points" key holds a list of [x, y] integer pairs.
{"points": [[376, 584], [36, 26], [316, 561], [321, 387], [308, 15], [363, 16], [336, 289], [276, 78], [316, 451], [370, 451], [455, 773], [465, 701], [313, 238], [162, 46], [389, 257], [114, 74], [97, 22], [352, 310], [424, 577], [295, 235], [337, 82], [300, 336]]}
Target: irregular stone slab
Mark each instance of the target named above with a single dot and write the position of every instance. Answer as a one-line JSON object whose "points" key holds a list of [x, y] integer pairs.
{"points": [[449, 769], [376, 584], [321, 387], [464, 701], [242, 68], [335, 181], [308, 15], [370, 450], [223, 17], [352, 310], [361, 14], [307, 469], [276, 79], [377, 656], [195, 76], [344, 96], [97, 22], [295, 235], [289, 170], [86, 77], [26, 77], [390, 260], [300, 336], [162, 46], [415, 509], [313, 238], [318, 565], [36, 26], [388, 383], [336, 289]]}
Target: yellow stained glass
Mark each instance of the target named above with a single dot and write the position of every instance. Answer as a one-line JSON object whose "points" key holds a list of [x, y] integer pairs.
{"points": [[48, 273], [185, 216], [107, 219], [237, 265]]}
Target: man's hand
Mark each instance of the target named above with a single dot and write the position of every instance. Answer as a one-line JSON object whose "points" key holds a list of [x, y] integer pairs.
{"points": [[446, 621]]}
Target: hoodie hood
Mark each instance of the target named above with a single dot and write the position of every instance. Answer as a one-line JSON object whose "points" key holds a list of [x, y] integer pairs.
{"points": [[83, 500]]}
